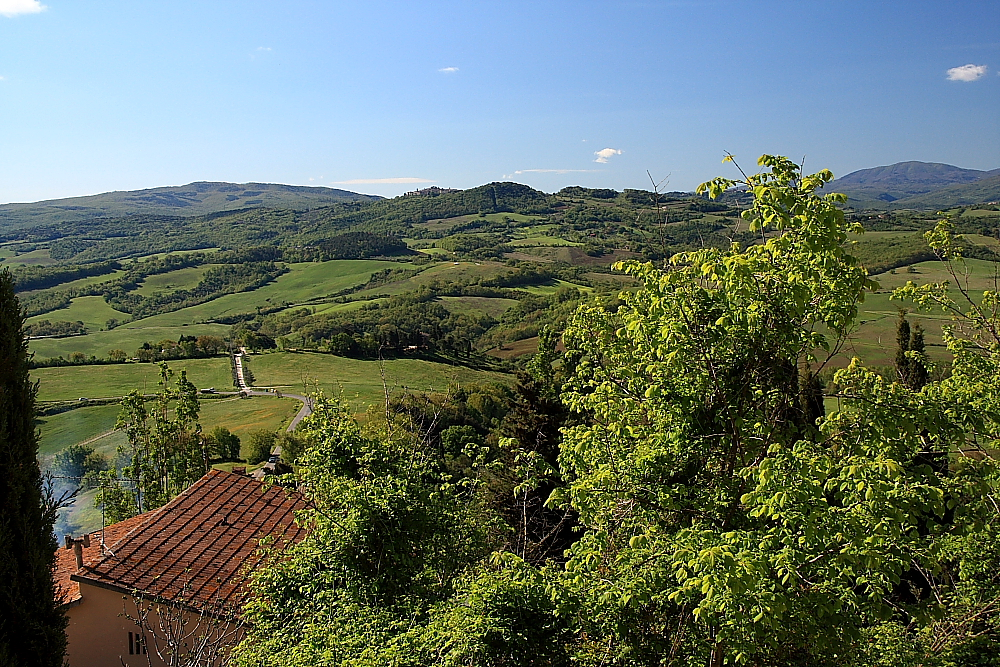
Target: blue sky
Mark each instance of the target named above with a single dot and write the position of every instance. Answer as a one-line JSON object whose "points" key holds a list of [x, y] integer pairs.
{"points": [[102, 95]]}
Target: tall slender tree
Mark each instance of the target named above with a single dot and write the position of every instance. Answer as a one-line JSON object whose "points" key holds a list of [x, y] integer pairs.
{"points": [[32, 628]]}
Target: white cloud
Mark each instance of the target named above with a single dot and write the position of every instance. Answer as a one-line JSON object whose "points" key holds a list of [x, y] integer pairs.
{"points": [[15, 7], [448, 70], [264, 48], [374, 181], [966, 72], [606, 154]]}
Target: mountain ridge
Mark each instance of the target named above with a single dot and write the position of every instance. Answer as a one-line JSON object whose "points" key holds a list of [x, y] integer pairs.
{"points": [[192, 199], [914, 184]]}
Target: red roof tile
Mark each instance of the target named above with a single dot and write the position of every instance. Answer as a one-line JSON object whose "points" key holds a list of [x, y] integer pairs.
{"points": [[68, 591], [199, 548]]}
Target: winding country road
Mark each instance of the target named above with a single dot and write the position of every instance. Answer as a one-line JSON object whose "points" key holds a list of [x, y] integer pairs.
{"points": [[246, 390]]}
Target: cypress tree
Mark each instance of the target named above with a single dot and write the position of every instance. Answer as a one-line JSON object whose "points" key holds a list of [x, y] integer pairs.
{"points": [[918, 372], [32, 627], [903, 363]]}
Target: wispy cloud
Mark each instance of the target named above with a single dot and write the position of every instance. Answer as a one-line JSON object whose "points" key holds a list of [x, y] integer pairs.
{"points": [[966, 72], [383, 181], [606, 154], [15, 7], [264, 48], [448, 70]]}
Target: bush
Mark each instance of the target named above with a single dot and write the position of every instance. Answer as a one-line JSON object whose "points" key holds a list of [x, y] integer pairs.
{"points": [[223, 444], [291, 445], [258, 446]]}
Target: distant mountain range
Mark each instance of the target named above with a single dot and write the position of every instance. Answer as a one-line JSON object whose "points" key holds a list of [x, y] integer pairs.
{"points": [[918, 185], [193, 199], [914, 185]]}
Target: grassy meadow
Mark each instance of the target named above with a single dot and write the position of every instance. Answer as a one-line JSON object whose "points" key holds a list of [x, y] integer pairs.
{"points": [[359, 382], [93, 311], [67, 383]]}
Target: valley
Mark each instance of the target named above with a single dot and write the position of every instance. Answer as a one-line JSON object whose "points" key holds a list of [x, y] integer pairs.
{"points": [[359, 297]]}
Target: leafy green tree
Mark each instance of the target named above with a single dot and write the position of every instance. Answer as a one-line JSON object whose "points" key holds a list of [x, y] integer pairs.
{"points": [[292, 446], [164, 454], [258, 446], [393, 570], [32, 629], [721, 522], [71, 461], [223, 444]]}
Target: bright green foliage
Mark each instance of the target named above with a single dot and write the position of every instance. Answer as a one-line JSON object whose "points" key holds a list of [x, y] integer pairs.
{"points": [[394, 570], [722, 517], [258, 446], [721, 522], [165, 453]]}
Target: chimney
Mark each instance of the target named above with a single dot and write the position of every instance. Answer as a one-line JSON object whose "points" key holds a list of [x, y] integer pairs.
{"points": [[77, 544]]}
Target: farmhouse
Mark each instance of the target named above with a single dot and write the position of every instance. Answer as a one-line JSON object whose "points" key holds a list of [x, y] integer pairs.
{"points": [[186, 565]]}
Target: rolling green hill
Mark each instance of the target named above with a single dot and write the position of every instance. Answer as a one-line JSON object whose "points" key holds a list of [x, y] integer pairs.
{"points": [[184, 200]]}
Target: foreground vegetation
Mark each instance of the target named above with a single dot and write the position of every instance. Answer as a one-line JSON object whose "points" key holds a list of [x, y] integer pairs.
{"points": [[670, 490], [705, 474]]}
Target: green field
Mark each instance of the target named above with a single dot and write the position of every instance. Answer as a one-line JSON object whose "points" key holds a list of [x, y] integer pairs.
{"points": [[976, 273], [874, 341], [543, 241], [553, 288], [334, 307], [304, 282], [35, 257], [479, 304], [441, 272], [359, 382], [442, 224], [91, 425], [157, 255], [174, 280], [126, 337], [69, 383], [242, 415], [75, 426], [980, 213], [93, 311], [81, 282]]}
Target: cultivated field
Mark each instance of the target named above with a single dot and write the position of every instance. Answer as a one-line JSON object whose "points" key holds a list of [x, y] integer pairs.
{"points": [[359, 382]]}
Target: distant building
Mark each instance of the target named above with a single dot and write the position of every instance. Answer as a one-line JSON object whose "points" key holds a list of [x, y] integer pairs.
{"points": [[193, 556], [432, 191]]}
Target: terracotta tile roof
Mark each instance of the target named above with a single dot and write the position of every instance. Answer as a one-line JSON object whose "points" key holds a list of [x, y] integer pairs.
{"points": [[68, 591], [199, 548]]}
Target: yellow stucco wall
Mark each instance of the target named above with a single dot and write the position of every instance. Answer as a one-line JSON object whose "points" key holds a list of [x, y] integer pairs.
{"points": [[98, 630]]}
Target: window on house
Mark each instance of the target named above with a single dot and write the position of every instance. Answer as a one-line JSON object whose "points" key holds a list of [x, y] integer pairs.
{"points": [[136, 646]]}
